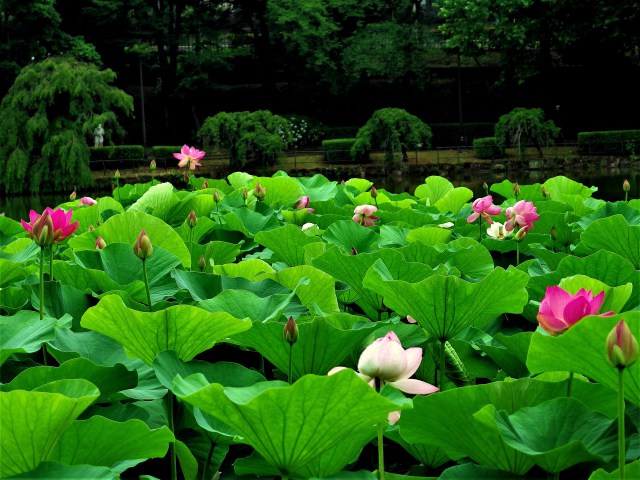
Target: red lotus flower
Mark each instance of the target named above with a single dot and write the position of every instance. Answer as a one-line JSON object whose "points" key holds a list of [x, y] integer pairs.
{"points": [[559, 310], [57, 229], [189, 156], [483, 207]]}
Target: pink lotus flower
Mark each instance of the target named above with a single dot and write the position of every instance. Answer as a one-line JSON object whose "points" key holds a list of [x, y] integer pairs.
{"points": [[559, 310], [189, 156], [523, 213], [364, 215], [302, 204], [483, 207], [60, 219], [386, 360], [87, 201], [622, 346]]}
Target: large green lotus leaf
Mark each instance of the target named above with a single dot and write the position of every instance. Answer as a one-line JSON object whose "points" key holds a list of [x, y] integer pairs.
{"points": [[109, 380], [295, 217], [126, 227], [100, 441], [348, 234], [249, 222], [217, 252], [581, 349], [290, 426], [631, 215], [359, 184], [365, 198], [287, 243], [13, 299], [281, 191], [530, 193], [243, 304], [428, 455], [433, 189], [561, 185], [318, 188], [200, 285], [351, 269], [411, 217], [319, 293], [558, 433], [167, 365], [473, 471], [454, 200], [24, 332], [93, 346], [251, 269], [631, 470], [20, 251], [323, 343], [610, 268], [429, 235], [10, 227], [92, 215], [60, 300], [50, 470], [89, 280], [579, 205], [32, 422], [156, 201], [201, 202], [11, 272], [186, 330], [615, 235], [239, 179], [445, 305], [447, 420], [392, 236], [614, 297]]}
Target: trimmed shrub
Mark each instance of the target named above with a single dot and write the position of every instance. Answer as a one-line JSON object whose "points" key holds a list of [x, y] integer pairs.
{"points": [[448, 134], [338, 150], [487, 147], [164, 151], [340, 132], [614, 142]]}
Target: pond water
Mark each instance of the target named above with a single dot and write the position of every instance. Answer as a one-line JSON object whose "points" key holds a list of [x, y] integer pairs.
{"points": [[609, 185]]}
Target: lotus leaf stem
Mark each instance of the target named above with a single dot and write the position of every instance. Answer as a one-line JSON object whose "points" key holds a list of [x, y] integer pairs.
{"points": [[172, 445], [621, 443], [290, 362], [569, 384], [146, 283]]}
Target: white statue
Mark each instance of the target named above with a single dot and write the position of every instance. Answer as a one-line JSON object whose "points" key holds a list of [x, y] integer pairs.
{"points": [[98, 136]]}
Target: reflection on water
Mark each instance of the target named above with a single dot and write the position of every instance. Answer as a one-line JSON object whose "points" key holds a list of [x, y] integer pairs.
{"points": [[609, 185]]}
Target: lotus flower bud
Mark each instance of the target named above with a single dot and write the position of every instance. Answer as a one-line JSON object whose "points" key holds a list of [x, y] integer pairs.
{"points": [[42, 232], [100, 243], [259, 191], [142, 247], [516, 189], [626, 186], [91, 228], [545, 192], [216, 196], [354, 251], [374, 192], [153, 165], [485, 188], [622, 346], [521, 234], [73, 196], [202, 263], [307, 226], [291, 332], [192, 219], [117, 174], [245, 193], [554, 233], [205, 185]]}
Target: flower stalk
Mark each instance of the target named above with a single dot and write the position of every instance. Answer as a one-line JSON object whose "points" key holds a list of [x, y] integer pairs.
{"points": [[621, 443], [172, 445]]}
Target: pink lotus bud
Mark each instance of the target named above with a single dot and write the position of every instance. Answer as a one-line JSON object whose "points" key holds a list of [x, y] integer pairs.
{"points": [[259, 191], [87, 201], [353, 251], [374, 192], [559, 310], [202, 263], [192, 219], [43, 229], [100, 243], [245, 193], [302, 203], [72, 196], [521, 234], [622, 346], [142, 247], [205, 185], [291, 332], [216, 196], [153, 165], [484, 207], [91, 228], [626, 186], [516, 189], [485, 187]]}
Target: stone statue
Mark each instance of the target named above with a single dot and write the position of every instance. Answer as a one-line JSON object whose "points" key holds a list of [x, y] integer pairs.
{"points": [[98, 136]]}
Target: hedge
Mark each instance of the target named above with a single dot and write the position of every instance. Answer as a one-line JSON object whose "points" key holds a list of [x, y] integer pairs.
{"points": [[448, 134], [487, 147], [613, 142], [117, 152], [338, 149], [164, 151]]}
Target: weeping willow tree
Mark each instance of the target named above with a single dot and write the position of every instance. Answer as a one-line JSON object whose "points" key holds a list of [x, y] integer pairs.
{"points": [[46, 120], [525, 125]]}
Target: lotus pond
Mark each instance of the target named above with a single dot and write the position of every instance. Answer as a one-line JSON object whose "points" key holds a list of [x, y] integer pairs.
{"points": [[298, 328]]}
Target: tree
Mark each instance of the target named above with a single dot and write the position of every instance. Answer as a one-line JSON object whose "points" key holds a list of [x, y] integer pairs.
{"points": [[256, 136], [46, 118], [523, 125], [394, 130]]}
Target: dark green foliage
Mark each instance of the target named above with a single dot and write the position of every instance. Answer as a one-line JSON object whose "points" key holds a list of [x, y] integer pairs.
{"points": [[448, 134], [524, 126], [117, 152], [487, 148], [614, 142], [338, 149], [46, 119], [341, 132], [163, 151], [257, 137], [394, 130], [304, 132]]}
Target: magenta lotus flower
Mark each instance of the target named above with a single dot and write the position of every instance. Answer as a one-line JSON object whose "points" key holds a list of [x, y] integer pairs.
{"points": [[559, 310], [483, 207], [302, 204], [364, 215], [60, 219], [87, 201], [522, 213], [189, 156], [386, 360]]}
